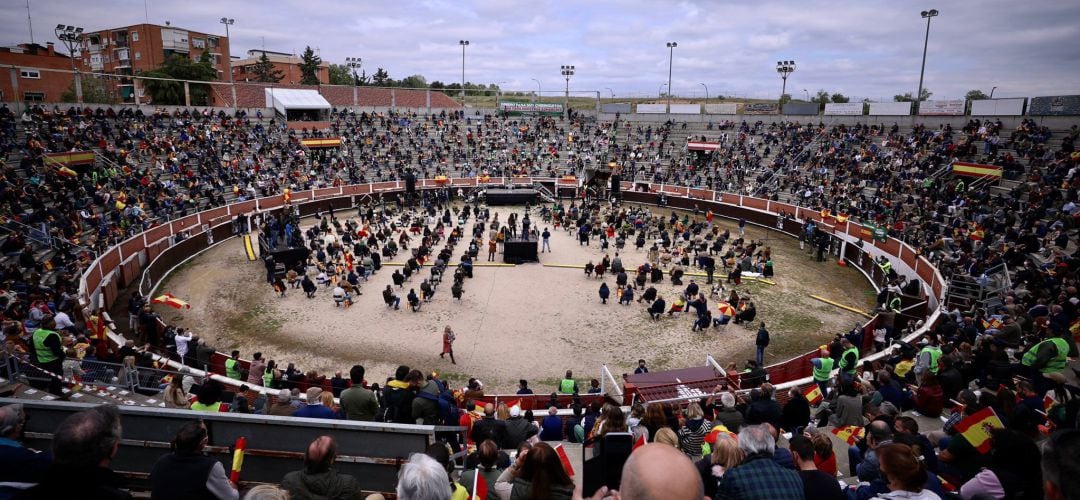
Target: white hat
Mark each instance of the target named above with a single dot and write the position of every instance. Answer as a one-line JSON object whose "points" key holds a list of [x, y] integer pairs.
{"points": [[515, 411]]}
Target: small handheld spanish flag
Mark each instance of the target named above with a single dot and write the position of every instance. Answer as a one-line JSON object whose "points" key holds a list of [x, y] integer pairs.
{"points": [[813, 394], [286, 195], [976, 428], [238, 459], [850, 433]]}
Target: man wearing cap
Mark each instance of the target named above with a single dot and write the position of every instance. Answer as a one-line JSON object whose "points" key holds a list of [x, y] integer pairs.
{"points": [[517, 429], [315, 408]]}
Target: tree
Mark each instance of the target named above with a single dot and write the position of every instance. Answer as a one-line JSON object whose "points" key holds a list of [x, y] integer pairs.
{"points": [[362, 79], [309, 67], [341, 75], [170, 91], [381, 78], [784, 99], [821, 98], [975, 95], [907, 97], [437, 85], [414, 82], [95, 90], [265, 72], [840, 98]]}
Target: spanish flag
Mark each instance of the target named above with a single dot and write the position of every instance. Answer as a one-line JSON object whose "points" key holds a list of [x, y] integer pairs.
{"points": [[171, 301], [825, 213], [850, 433], [286, 195], [66, 172], [977, 426], [813, 394], [565, 460], [842, 218]]}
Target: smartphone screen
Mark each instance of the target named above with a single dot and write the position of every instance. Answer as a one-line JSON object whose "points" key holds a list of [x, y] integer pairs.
{"points": [[605, 468]]}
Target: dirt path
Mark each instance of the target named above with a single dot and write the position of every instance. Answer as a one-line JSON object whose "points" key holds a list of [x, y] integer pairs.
{"points": [[527, 321]]}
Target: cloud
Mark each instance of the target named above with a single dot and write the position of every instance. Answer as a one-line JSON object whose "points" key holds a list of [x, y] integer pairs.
{"points": [[861, 48]]}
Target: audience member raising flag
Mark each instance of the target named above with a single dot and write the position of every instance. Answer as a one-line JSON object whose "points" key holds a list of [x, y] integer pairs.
{"points": [[976, 428]]}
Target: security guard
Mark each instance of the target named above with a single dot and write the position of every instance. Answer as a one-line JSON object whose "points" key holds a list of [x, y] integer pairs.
{"points": [[48, 353], [568, 385], [849, 360], [823, 367]]}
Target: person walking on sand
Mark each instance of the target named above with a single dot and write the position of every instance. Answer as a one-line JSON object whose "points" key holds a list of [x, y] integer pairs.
{"points": [[491, 250], [448, 344]]}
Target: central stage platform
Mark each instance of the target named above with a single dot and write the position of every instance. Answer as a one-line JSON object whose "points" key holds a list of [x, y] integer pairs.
{"points": [[516, 251], [504, 196]]}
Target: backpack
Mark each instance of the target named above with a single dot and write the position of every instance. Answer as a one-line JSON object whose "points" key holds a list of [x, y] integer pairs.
{"points": [[448, 410]]}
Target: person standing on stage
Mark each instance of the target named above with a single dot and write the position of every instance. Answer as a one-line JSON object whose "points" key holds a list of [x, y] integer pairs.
{"points": [[448, 344]]}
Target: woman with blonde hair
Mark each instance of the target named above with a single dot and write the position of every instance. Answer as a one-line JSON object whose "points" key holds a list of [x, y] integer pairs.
{"points": [[327, 400], [667, 436], [502, 412], [725, 455]]}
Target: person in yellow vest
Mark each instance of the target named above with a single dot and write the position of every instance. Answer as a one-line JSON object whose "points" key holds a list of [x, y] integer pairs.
{"points": [[929, 358], [567, 385], [823, 367], [1046, 357], [233, 366], [209, 398], [47, 351], [849, 359]]}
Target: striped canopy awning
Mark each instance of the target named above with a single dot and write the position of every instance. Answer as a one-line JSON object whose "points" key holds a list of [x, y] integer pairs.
{"points": [[323, 142], [71, 158], [975, 169], [702, 146]]}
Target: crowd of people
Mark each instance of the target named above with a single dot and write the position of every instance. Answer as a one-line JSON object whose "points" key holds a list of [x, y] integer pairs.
{"points": [[1010, 355]]}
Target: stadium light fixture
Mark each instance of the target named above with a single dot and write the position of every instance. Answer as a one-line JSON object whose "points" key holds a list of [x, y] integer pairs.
{"points": [[671, 56], [928, 15], [71, 37], [785, 69], [567, 72]]}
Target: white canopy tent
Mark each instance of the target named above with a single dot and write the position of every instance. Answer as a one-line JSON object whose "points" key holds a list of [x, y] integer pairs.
{"points": [[297, 104]]}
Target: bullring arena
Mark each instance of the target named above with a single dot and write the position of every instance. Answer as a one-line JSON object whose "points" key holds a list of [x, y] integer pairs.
{"points": [[513, 322]]}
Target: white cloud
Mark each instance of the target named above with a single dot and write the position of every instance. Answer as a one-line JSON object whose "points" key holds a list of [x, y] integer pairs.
{"points": [[862, 48]]}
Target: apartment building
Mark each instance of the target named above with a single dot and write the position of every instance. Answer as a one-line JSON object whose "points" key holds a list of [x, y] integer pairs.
{"points": [[142, 47], [30, 80], [288, 64]]}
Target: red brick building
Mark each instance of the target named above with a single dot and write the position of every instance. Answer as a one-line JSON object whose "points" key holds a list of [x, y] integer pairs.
{"points": [[28, 80], [288, 64], [143, 47]]}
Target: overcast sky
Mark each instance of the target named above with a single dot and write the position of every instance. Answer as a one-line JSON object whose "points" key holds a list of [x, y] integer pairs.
{"points": [[866, 48]]}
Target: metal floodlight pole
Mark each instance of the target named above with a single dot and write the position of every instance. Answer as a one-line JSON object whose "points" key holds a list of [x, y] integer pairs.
{"points": [[538, 91], [992, 92], [354, 63], [71, 37], [926, 14], [784, 68], [706, 92], [609, 90], [671, 55], [228, 60], [463, 43], [567, 71]]}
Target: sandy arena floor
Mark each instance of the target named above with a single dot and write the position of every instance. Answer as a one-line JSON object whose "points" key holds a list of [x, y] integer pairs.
{"points": [[528, 321]]}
